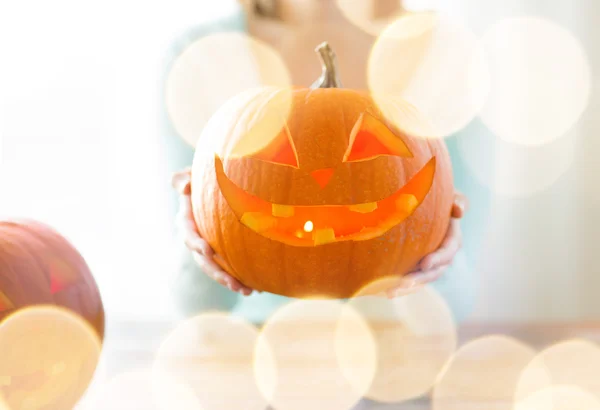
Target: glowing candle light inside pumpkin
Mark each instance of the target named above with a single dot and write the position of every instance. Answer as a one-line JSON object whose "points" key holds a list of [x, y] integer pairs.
{"points": [[308, 226]]}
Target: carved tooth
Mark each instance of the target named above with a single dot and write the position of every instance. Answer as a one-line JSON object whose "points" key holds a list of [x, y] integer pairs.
{"points": [[283, 211], [392, 221], [406, 203], [258, 222], [323, 236], [369, 233], [363, 208]]}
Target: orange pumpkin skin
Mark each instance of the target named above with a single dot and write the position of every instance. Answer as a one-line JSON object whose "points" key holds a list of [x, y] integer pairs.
{"points": [[320, 122], [38, 266]]}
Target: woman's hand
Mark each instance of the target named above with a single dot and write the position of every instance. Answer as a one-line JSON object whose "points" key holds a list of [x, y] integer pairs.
{"points": [[432, 266], [212, 264]]}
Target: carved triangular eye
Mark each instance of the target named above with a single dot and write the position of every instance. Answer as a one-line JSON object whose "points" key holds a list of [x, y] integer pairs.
{"points": [[371, 138], [280, 150]]}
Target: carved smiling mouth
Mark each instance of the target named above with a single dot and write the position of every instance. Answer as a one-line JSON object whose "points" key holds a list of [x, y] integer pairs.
{"points": [[314, 225]]}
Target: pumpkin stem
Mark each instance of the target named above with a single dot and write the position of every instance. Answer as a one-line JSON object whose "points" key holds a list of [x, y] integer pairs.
{"points": [[329, 78]]}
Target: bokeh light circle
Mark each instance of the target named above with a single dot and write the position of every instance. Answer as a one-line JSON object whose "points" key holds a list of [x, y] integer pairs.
{"points": [[540, 80], [572, 362], [435, 64], [415, 336], [514, 170], [212, 70], [315, 354], [262, 114], [379, 287], [213, 354], [562, 397], [482, 374], [49, 357], [142, 389]]}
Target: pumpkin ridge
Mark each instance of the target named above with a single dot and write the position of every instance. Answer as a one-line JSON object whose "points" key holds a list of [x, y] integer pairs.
{"points": [[34, 258]]}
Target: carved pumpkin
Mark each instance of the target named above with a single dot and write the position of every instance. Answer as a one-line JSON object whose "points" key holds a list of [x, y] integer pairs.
{"points": [[40, 267], [321, 196], [53, 355]]}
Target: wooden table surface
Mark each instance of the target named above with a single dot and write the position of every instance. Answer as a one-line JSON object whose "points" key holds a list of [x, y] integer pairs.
{"points": [[132, 345]]}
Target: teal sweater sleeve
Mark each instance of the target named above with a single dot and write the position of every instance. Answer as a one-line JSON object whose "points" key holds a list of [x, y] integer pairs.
{"points": [[192, 290], [177, 153], [460, 282]]}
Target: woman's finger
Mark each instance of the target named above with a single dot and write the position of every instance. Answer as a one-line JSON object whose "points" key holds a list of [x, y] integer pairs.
{"points": [[460, 205], [181, 181], [211, 269], [189, 231], [196, 244], [406, 284], [214, 271], [428, 276], [403, 291], [219, 260], [415, 281], [446, 252], [187, 226]]}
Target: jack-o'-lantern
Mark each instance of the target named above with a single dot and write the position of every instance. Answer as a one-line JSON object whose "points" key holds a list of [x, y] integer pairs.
{"points": [[39, 266], [316, 192], [50, 357]]}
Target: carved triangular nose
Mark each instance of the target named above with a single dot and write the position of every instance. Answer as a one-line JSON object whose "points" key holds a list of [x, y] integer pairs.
{"points": [[322, 176]]}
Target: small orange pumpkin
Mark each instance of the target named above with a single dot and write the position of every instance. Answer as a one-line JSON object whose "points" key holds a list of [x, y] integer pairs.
{"points": [[51, 356], [40, 267], [314, 192]]}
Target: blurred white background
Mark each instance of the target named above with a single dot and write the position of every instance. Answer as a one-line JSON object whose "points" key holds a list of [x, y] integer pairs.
{"points": [[538, 261], [79, 83]]}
